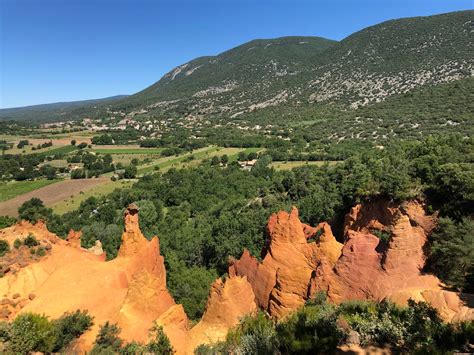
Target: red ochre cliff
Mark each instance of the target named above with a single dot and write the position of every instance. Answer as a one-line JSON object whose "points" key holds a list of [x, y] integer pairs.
{"points": [[298, 261], [294, 269]]}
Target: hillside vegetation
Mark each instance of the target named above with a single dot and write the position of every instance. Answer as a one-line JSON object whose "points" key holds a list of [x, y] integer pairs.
{"points": [[381, 72]]}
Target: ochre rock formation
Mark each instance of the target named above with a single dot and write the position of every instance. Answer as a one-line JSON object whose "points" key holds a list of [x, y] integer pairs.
{"points": [[365, 267], [281, 282], [228, 301], [129, 290], [74, 238], [298, 261]]}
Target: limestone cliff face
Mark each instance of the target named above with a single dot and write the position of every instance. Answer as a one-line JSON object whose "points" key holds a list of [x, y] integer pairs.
{"points": [[293, 269]]}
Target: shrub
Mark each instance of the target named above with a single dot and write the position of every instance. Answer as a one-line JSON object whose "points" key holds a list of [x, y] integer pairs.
{"points": [[6, 221], [254, 335], [107, 340], [33, 210], [159, 343], [30, 241], [41, 251], [69, 327], [4, 247], [133, 348], [17, 243], [312, 329], [31, 332]]}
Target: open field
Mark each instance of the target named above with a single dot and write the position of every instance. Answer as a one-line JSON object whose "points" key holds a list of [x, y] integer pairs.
{"points": [[235, 156], [166, 163], [281, 165], [125, 150], [59, 163], [11, 189], [51, 194], [34, 140], [71, 203], [198, 155]]}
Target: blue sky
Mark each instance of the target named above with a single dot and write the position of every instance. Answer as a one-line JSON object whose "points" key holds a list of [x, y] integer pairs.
{"points": [[65, 50]]}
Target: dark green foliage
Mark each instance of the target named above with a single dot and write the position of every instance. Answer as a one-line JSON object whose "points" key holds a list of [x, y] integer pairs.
{"points": [[130, 172], [69, 327], [30, 241], [190, 285], [17, 243], [159, 343], [34, 210], [4, 247], [254, 335], [78, 174], [311, 329], [104, 139], [319, 327], [36, 333], [108, 340], [452, 253], [109, 235], [6, 221], [31, 332], [41, 251]]}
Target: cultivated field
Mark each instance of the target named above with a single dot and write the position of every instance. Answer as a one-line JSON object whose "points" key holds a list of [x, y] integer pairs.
{"points": [[51, 194], [72, 202], [11, 189]]}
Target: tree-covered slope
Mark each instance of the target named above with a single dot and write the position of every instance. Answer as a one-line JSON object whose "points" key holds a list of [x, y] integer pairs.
{"points": [[390, 58]]}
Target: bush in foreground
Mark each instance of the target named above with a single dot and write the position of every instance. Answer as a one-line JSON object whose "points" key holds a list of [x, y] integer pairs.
{"points": [[36, 333]]}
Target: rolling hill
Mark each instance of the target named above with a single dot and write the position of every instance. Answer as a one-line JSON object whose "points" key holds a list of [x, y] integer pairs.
{"points": [[55, 111]]}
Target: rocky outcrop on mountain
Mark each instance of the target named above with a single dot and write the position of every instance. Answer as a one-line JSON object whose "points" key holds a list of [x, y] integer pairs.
{"points": [[296, 263]]}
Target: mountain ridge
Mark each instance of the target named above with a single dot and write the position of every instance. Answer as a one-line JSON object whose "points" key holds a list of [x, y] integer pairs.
{"points": [[380, 61]]}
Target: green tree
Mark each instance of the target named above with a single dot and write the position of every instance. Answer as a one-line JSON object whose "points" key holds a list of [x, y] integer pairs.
{"points": [[215, 160], [69, 327], [159, 343], [34, 210], [224, 159], [452, 253], [130, 172], [107, 340]]}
